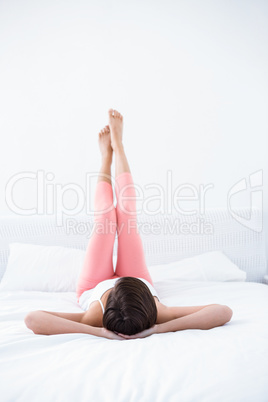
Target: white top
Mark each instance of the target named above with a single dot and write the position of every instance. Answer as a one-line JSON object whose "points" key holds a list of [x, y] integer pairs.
{"points": [[91, 295]]}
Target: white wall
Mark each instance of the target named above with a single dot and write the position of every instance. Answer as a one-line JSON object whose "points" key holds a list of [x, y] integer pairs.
{"points": [[190, 78]]}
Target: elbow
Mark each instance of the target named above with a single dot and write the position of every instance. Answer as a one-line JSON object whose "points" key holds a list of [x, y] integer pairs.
{"points": [[30, 321], [225, 314], [221, 315]]}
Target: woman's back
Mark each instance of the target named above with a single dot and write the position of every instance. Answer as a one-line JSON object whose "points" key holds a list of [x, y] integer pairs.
{"points": [[92, 295]]}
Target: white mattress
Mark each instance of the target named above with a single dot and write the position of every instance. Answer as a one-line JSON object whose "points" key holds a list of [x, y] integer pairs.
{"points": [[228, 363]]}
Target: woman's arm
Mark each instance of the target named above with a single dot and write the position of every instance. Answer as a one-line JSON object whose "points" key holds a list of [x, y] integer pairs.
{"points": [[207, 317], [69, 316], [204, 317], [45, 323], [166, 313]]}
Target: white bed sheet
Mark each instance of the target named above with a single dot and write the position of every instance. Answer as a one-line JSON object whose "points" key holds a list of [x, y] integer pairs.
{"points": [[228, 363]]}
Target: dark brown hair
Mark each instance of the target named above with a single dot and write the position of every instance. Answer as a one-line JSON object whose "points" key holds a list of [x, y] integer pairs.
{"points": [[130, 307]]}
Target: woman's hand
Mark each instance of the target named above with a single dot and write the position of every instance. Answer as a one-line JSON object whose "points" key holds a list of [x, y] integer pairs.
{"points": [[105, 333], [143, 334]]}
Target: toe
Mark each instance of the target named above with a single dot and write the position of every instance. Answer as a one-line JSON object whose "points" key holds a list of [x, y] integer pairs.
{"points": [[110, 112]]}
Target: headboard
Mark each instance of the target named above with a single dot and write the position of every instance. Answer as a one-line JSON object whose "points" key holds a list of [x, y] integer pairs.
{"points": [[166, 238]]}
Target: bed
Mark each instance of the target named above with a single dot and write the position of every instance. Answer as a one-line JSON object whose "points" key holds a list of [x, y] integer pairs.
{"points": [[228, 363]]}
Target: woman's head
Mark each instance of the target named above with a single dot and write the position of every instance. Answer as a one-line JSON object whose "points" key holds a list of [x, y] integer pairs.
{"points": [[130, 307]]}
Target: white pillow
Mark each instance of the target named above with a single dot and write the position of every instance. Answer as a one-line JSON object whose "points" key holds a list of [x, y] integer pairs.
{"points": [[210, 266], [42, 268]]}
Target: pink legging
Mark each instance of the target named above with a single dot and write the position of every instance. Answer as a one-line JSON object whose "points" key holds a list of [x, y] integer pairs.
{"points": [[98, 263]]}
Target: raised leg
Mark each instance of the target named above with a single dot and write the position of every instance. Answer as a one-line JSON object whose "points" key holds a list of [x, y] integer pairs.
{"points": [[98, 263], [130, 254]]}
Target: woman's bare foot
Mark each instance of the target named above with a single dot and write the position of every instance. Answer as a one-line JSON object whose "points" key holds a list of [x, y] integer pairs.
{"points": [[116, 128], [105, 144]]}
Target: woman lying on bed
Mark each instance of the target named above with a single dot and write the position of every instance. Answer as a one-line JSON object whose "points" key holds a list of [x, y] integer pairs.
{"points": [[121, 304]]}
